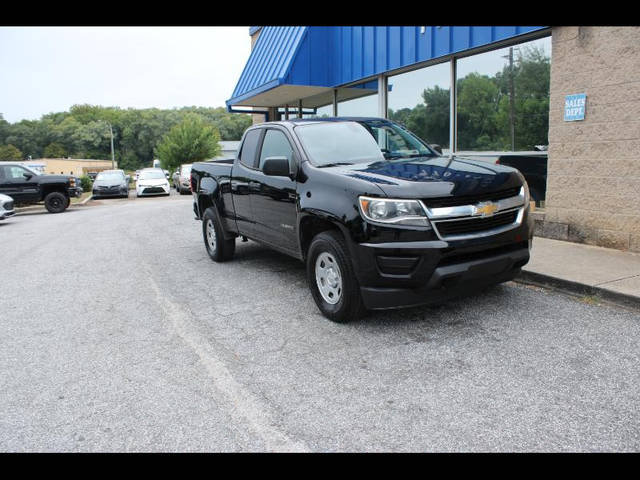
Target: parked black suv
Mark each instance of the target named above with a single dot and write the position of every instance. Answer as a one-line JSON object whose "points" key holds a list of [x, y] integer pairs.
{"points": [[381, 219], [26, 186]]}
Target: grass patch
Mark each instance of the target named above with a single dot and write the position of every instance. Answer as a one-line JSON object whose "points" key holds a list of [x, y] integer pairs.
{"points": [[81, 198], [590, 300]]}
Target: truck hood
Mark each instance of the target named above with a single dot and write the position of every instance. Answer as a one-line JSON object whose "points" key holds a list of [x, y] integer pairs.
{"points": [[425, 177]]}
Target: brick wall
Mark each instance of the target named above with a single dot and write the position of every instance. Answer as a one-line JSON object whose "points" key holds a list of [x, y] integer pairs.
{"points": [[593, 184]]}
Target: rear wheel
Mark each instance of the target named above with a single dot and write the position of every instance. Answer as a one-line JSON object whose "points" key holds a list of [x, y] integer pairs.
{"points": [[332, 280], [56, 202], [218, 248]]}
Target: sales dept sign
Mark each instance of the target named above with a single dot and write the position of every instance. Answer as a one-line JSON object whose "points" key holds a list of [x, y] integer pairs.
{"points": [[574, 107]]}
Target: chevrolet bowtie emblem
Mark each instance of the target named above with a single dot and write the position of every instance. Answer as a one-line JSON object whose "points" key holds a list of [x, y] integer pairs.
{"points": [[486, 209]]}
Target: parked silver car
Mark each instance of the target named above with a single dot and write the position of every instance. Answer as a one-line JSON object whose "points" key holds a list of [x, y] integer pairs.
{"points": [[182, 180], [6, 206]]}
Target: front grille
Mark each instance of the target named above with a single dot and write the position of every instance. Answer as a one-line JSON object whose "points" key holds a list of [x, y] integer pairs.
{"points": [[8, 206], [154, 190], [475, 225], [470, 199]]}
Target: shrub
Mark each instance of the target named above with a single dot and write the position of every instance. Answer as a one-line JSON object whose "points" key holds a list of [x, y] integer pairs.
{"points": [[86, 183]]}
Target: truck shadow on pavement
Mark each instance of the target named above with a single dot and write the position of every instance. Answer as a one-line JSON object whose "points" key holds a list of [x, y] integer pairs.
{"points": [[450, 313], [45, 212]]}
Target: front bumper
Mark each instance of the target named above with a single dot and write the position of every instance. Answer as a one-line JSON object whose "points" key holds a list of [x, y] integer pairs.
{"points": [[110, 193], [396, 274], [75, 191], [6, 214], [449, 281], [153, 190]]}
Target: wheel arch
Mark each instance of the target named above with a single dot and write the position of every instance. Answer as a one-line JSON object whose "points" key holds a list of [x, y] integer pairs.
{"points": [[312, 224]]}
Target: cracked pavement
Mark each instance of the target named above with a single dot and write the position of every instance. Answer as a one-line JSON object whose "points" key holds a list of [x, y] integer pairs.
{"points": [[119, 334]]}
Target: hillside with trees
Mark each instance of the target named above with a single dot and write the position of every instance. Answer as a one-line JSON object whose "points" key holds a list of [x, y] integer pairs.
{"points": [[83, 132]]}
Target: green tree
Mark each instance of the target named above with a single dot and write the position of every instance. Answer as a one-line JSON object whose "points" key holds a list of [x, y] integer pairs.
{"points": [[10, 153], [54, 150], [192, 140], [4, 128], [83, 131]]}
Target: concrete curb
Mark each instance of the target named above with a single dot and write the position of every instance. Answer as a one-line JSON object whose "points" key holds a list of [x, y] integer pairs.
{"points": [[581, 289], [90, 197]]}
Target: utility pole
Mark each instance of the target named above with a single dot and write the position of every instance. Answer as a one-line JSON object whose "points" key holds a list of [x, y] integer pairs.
{"points": [[113, 158], [512, 120]]}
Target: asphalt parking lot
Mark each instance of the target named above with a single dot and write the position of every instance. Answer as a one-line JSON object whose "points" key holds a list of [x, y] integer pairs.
{"points": [[119, 334]]}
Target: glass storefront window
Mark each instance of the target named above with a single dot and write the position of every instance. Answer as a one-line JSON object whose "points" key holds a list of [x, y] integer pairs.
{"points": [[365, 103], [326, 111], [503, 98], [420, 101]]}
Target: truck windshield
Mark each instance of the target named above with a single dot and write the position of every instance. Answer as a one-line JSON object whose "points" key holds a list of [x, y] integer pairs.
{"points": [[354, 142], [338, 143], [395, 141]]}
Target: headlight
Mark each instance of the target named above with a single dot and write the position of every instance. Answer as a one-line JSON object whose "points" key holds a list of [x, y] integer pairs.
{"points": [[399, 212], [527, 196]]}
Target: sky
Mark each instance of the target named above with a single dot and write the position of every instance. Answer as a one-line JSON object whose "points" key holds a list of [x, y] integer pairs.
{"points": [[49, 69]]}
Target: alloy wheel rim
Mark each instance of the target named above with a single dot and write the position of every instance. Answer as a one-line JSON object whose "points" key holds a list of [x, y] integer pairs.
{"points": [[328, 278], [211, 236]]}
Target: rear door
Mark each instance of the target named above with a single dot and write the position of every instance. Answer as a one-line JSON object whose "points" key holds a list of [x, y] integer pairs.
{"points": [[243, 179], [273, 199]]}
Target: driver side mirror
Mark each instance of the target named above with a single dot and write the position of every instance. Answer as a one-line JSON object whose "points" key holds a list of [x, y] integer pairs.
{"points": [[27, 176], [276, 167], [437, 148]]}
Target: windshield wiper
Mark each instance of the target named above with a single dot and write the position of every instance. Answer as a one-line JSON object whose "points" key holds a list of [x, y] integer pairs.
{"points": [[413, 155], [335, 164]]}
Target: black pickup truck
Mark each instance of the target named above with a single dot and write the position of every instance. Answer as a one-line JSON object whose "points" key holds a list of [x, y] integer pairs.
{"points": [[26, 186], [380, 218]]}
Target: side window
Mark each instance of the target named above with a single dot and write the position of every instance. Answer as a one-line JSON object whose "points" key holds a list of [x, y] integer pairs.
{"points": [[275, 144], [249, 148], [17, 173]]}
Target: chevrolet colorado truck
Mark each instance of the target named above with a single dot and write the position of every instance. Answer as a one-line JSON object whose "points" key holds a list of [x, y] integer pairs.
{"points": [[27, 186], [380, 218]]}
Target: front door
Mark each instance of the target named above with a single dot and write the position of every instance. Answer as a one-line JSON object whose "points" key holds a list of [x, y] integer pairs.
{"points": [[17, 182], [273, 199]]}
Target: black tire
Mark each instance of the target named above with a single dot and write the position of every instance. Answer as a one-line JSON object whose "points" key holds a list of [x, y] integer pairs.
{"points": [[56, 202], [220, 250], [349, 305]]}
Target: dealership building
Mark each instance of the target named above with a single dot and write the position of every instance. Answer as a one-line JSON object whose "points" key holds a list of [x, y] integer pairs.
{"points": [[570, 95]]}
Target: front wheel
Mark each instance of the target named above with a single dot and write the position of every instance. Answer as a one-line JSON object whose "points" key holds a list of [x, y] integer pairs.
{"points": [[218, 248], [331, 278], [56, 202]]}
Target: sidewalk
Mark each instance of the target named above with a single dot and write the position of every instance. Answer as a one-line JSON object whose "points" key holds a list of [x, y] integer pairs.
{"points": [[612, 275]]}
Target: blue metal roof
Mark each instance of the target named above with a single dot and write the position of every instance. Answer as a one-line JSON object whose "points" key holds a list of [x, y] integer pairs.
{"points": [[269, 62], [330, 57]]}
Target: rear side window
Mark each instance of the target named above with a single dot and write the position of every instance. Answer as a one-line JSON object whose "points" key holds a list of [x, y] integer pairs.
{"points": [[249, 148], [275, 144]]}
